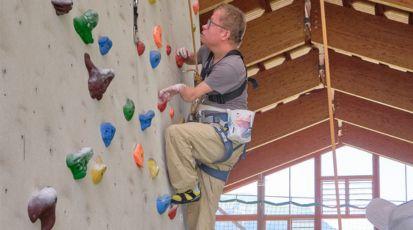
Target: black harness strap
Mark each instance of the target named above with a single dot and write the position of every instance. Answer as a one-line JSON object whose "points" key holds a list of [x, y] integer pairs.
{"points": [[223, 98]]}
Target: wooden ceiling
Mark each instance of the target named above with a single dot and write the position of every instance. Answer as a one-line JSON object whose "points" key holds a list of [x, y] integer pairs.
{"points": [[371, 68]]}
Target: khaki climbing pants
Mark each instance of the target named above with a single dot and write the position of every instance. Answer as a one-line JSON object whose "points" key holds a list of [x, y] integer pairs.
{"points": [[185, 145]]}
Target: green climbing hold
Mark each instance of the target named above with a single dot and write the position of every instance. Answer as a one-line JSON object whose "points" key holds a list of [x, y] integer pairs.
{"points": [[128, 109], [77, 162], [85, 24]]}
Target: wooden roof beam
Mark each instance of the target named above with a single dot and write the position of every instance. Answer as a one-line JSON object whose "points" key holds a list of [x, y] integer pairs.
{"points": [[377, 143], [281, 152], [288, 79], [274, 33], [373, 82], [306, 111], [376, 117], [368, 36]]}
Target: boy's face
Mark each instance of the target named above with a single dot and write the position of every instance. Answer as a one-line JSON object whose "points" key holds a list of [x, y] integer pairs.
{"points": [[213, 32]]}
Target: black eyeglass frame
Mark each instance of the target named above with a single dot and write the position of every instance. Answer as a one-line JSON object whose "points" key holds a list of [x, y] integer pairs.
{"points": [[209, 22]]}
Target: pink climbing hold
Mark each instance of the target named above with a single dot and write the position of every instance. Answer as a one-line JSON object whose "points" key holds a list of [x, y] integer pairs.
{"points": [[195, 7], [42, 205], [179, 61], [168, 49], [140, 47]]}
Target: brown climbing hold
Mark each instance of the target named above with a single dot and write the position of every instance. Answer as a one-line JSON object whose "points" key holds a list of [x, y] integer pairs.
{"points": [[42, 206], [62, 6], [99, 79]]}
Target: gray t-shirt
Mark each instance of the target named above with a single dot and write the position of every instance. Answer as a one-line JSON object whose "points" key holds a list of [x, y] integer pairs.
{"points": [[226, 76]]}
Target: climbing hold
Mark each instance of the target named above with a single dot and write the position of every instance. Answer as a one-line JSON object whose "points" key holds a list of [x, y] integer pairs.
{"points": [[172, 211], [168, 50], [162, 105], [179, 61], [153, 168], [62, 6], [98, 169], [107, 131], [193, 28], [152, 1], [162, 203], [155, 58], [195, 7], [128, 109], [157, 35], [77, 162], [171, 113], [138, 155], [104, 44], [140, 47], [84, 25], [42, 205], [99, 79], [146, 119]]}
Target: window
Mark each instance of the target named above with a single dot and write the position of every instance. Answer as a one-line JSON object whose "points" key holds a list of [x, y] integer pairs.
{"points": [[229, 202], [350, 162]]}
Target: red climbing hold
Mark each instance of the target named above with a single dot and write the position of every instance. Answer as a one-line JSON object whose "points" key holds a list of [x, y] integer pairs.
{"points": [[162, 106], [168, 50], [172, 211], [99, 79], [42, 206], [179, 61], [140, 47]]}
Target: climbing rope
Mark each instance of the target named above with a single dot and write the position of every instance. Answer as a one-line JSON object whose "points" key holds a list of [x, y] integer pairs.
{"points": [[330, 109]]}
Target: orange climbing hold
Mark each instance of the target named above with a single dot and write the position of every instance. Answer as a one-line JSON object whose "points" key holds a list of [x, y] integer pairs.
{"points": [[138, 155], [157, 35], [171, 113]]}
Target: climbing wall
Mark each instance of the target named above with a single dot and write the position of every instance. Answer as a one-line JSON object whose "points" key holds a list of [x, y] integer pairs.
{"points": [[46, 111]]}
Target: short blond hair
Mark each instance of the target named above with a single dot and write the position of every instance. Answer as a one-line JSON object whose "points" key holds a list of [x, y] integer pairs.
{"points": [[234, 20]]}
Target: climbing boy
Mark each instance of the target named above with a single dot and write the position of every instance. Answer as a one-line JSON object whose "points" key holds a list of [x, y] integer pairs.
{"points": [[199, 154]]}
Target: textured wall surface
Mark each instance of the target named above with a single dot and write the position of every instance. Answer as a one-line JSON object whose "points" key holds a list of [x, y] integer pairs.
{"points": [[46, 112]]}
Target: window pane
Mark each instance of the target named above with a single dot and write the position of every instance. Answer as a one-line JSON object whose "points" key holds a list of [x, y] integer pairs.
{"points": [[229, 225], [276, 225], [360, 195], [357, 224], [302, 224], [302, 187], [329, 224], [240, 201], [409, 182], [329, 197], [392, 181], [350, 161], [276, 192]]}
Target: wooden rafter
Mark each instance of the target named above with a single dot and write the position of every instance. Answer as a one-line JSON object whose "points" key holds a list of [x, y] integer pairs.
{"points": [[377, 143], [288, 118], [374, 116], [286, 80], [283, 151], [371, 81], [406, 5], [367, 36]]}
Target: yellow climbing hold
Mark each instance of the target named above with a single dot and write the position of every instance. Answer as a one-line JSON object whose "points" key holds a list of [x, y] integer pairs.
{"points": [[152, 1], [98, 169], [153, 168]]}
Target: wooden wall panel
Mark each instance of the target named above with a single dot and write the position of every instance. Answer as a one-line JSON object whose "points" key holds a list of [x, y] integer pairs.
{"points": [[283, 81], [366, 35]]}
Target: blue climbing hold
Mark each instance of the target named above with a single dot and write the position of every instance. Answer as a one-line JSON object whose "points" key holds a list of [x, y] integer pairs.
{"points": [[104, 45], [162, 203], [146, 119], [155, 58], [107, 130]]}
